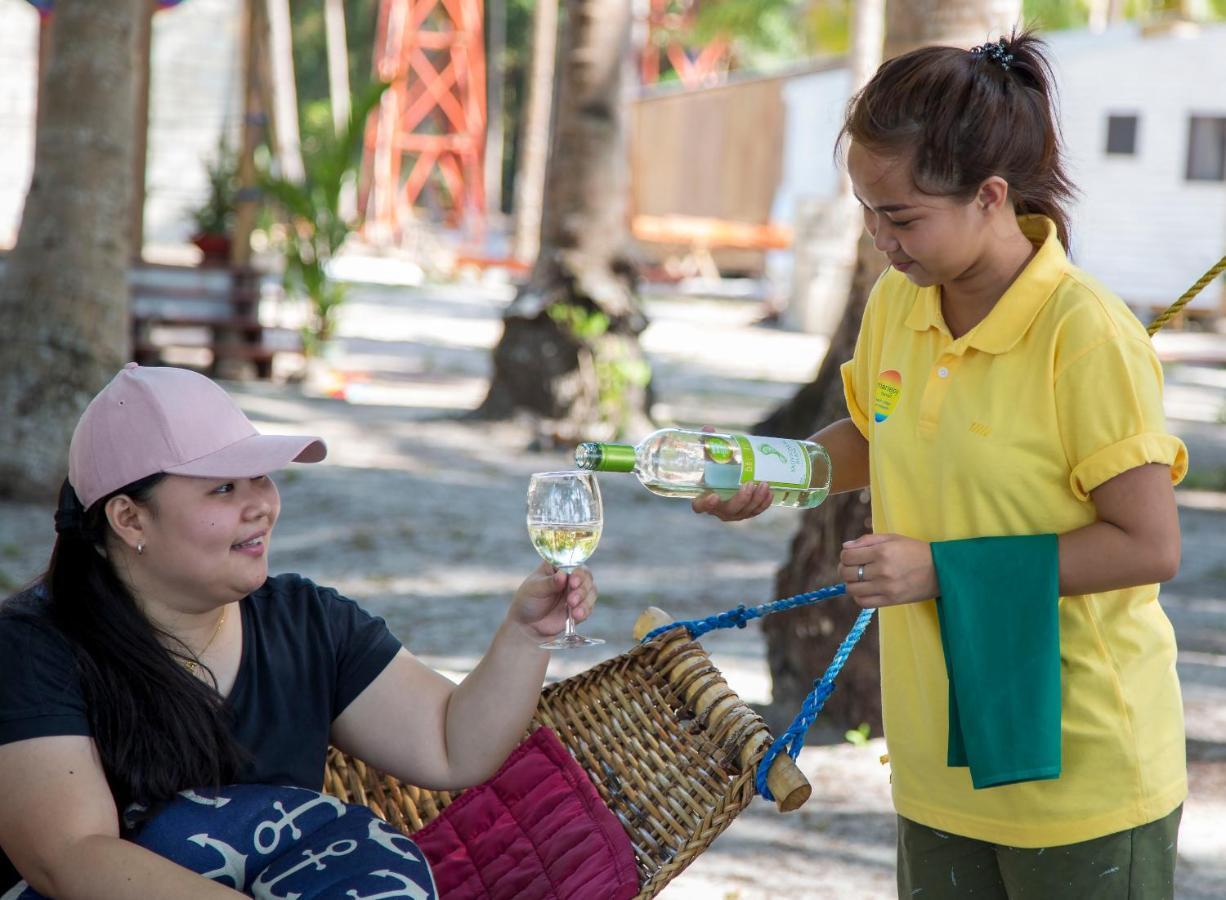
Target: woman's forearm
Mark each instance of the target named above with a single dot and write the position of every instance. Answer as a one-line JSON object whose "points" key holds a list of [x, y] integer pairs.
{"points": [[109, 868], [848, 455], [1104, 557], [490, 710]]}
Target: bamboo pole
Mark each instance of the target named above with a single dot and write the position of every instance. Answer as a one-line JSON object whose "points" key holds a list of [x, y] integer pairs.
{"points": [[714, 700]]}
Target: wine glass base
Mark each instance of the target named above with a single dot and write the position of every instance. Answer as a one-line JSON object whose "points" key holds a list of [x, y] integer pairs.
{"points": [[570, 642]]}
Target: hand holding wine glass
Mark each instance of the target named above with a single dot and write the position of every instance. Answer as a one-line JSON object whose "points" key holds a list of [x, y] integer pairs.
{"points": [[564, 521]]}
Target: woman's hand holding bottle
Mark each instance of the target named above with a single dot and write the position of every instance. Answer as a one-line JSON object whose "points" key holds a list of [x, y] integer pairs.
{"points": [[751, 500]]}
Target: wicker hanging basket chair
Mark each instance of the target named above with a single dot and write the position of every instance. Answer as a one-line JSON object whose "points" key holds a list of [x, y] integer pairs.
{"points": [[670, 748]]}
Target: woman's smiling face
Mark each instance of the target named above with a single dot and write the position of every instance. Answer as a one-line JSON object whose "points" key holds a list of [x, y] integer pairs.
{"points": [[930, 239], [207, 538]]}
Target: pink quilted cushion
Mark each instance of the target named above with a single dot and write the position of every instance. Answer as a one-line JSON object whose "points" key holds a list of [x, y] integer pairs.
{"points": [[537, 830]]}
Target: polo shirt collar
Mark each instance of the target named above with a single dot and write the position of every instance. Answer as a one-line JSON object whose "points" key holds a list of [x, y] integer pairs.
{"points": [[1018, 306]]}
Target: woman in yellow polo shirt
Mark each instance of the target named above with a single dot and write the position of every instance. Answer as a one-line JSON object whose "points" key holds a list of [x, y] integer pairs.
{"points": [[997, 390]]}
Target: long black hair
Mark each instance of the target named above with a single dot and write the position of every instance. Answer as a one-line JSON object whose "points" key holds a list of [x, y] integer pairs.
{"points": [[158, 728], [962, 116]]}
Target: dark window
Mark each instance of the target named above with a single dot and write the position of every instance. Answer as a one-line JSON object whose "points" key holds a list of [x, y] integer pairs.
{"points": [[1207, 148], [1122, 135]]}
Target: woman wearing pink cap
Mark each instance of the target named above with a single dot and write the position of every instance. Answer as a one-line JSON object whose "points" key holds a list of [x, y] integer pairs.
{"points": [[157, 655]]}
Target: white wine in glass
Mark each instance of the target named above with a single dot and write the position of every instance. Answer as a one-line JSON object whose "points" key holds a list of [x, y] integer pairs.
{"points": [[564, 522]]}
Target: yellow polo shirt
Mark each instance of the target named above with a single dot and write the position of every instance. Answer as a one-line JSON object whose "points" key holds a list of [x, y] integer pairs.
{"points": [[1005, 431]]}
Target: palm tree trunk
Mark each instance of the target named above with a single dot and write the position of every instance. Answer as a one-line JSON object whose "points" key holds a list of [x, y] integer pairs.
{"points": [[284, 90], [569, 350], [800, 643], [64, 293], [534, 143]]}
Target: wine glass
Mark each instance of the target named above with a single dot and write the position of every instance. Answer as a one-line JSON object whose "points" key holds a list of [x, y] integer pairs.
{"points": [[564, 522]]}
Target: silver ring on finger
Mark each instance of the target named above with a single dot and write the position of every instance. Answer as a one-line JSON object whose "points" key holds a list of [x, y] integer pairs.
{"points": [[860, 574]]}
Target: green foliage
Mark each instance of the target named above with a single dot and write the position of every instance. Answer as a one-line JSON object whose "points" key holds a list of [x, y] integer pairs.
{"points": [[216, 214], [311, 48], [315, 227], [1207, 479], [766, 33], [1055, 15], [585, 324], [618, 370], [858, 736]]}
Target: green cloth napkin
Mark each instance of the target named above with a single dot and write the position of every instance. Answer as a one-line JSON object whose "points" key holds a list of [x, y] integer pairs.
{"points": [[1000, 626]]}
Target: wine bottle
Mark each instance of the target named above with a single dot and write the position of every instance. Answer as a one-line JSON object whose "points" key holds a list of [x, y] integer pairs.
{"points": [[675, 462]]}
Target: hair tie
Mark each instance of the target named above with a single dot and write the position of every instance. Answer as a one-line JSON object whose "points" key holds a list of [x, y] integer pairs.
{"points": [[997, 52], [69, 513]]}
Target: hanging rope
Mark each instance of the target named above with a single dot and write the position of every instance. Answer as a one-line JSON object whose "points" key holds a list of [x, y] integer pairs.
{"points": [[1174, 308], [742, 615]]}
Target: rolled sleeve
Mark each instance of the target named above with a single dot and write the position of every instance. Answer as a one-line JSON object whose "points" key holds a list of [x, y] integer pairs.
{"points": [[1109, 403]]}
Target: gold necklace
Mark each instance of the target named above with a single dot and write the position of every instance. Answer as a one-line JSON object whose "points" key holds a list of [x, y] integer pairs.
{"points": [[193, 665]]}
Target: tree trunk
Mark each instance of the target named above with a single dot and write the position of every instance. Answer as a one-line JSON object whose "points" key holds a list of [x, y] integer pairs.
{"points": [[801, 642], [64, 292], [534, 142], [338, 63], [495, 116], [569, 350], [284, 91]]}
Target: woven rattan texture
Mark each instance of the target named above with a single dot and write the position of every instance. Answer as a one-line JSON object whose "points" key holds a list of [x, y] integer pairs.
{"points": [[671, 777]]}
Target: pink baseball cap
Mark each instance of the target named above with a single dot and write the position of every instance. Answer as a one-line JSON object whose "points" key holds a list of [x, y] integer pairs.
{"points": [[159, 419]]}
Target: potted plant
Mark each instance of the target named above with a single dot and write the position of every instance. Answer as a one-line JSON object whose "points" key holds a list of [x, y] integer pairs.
{"points": [[315, 226], [213, 219]]}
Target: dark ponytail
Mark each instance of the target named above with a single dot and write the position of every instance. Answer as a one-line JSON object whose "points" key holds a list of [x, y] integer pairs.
{"points": [[159, 729], [963, 116]]}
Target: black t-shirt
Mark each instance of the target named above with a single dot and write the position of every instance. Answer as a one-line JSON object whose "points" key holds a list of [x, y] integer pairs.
{"points": [[307, 654]]}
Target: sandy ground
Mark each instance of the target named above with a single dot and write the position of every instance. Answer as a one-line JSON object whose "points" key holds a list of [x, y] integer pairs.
{"points": [[418, 514]]}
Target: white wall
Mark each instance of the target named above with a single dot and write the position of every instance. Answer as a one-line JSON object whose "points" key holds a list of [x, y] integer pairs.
{"points": [[813, 109], [18, 88], [1140, 226], [196, 90]]}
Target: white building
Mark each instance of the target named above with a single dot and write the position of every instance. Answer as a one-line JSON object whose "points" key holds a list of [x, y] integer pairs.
{"points": [[1144, 123]]}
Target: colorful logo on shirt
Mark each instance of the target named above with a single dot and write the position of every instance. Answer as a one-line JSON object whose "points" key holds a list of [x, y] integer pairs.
{"points": [[885, 395]]}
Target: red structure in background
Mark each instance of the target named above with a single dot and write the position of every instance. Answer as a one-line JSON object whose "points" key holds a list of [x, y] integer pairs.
{"points": [[695, 67], [425, 144]]}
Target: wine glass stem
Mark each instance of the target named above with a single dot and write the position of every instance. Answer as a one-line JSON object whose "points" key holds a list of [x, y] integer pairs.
{"points": [[570, 624]]}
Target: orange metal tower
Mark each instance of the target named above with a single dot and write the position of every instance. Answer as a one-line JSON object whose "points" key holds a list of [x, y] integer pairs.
{"points": [[695, 67], [425, 143]]}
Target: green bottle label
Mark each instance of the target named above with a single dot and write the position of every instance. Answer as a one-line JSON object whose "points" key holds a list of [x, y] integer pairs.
{"points": [[779, 462]]}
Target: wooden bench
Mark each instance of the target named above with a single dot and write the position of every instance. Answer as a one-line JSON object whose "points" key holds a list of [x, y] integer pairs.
{"points": [[202, 315], [698, 236]]}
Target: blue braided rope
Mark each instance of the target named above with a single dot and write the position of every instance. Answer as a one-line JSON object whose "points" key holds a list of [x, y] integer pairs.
{"points": [[742, 615], [794, 738]]}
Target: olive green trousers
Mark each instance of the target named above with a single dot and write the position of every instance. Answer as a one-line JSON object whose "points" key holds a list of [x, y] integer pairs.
{"points": [[1138, 864]]}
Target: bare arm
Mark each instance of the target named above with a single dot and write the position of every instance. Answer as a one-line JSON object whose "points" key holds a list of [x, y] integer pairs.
{"points": [[848, 451], [59, 827], [1135, 540], [416, 724]]}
